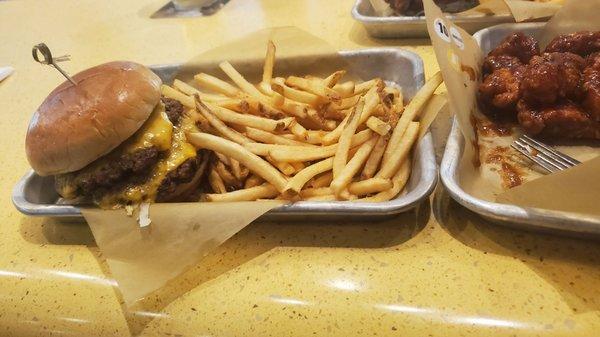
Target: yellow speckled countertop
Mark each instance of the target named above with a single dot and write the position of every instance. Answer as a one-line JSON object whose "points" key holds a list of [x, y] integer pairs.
{"points": [[436, 271]]}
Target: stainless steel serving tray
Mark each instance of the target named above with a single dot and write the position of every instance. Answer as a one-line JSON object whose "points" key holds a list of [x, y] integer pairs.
{"points": [[415, 26], [532, 218], [35, 195]]}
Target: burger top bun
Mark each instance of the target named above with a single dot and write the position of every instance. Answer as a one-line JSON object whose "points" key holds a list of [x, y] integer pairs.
{"points": [[76, 125]]}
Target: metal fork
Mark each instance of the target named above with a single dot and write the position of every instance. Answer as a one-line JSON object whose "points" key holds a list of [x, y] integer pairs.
{"points": [[543, 155]]}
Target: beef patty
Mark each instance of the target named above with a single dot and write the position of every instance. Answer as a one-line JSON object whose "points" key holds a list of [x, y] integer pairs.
{"points": [[112, 172], [184, 173]]}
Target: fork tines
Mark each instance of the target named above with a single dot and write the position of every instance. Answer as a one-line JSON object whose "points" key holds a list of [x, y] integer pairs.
{"points": [[543, 155]]}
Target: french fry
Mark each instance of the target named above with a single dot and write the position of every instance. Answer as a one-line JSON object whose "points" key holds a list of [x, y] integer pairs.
{"points": [[298, 130], [345, 103], [216, 123], [398, 182], [315, 192], [225, 175], [345, 89], [298, 165], [269, 62], [169, 92], [314, 86], [337, 115], [347, 172], [222, 158], [335, 134], [400, 153], [322, 180], [315, 136], [372, 100], [278, 85], [374, 158], [215, 181], [412, 111], [301, 178], [269, 138], [341, 153], [253, 180], [329, 197], [233, 150], [378, 126], [370, 186], [239, 80], [236, 169], [191, 91], [331, 80], [285, 168], [363, 87], [257, 122], [216, 85], [329, 124], [265, 88], [247, 194], [303, 153], [290, 107]]}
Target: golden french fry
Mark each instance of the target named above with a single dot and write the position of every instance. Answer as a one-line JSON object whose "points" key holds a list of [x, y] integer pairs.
{"points": [[430, 112], [269, 138], [374, 158], [315, 192], [219, 125], [233, 150], [301, 178], [398, 182], [337, 115], [303, 153], [191, 91], [345, 89], [253, 180], [216, 85], [298, 165], [247, 194], [269, 62], [412, 111], [291, 108], [400, 153], [215, 181], [285, 168], [363, 87], [322, 180], [278, 85], [329, 124], [315, 136], [227, 176], [341, 153], [331, 80], [378, 126], [335, 134], [315, 118], [239, 80], [222, 158], [298, 130], [343, 178], [329, 197], [265, 88], [169, 92], [236, 169], [257, 122], [345, 103], [314, 86], [370, 186], [372, 100]]}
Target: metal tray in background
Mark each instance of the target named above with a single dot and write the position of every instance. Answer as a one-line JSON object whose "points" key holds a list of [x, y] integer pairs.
{"points": [[390, 27], [35, 195], [531, 218]]}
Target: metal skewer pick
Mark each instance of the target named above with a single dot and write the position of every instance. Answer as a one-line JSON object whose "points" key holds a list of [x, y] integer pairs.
{"points": [[45, 51]]}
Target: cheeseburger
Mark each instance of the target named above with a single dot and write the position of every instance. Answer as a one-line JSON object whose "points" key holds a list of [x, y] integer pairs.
{"points": [[112, 140]]}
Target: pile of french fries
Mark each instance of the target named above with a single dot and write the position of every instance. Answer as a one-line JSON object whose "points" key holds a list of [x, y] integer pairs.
{"points": [[302, 138]]}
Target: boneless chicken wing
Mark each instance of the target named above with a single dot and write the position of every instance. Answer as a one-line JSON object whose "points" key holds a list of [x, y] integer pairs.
{"points": [[518, 45], [580, 43], [552, 76], [591, 86], [562, 120]]}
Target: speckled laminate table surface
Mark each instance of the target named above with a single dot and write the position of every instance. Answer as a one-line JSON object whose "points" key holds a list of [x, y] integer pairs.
{"points": [[437, 271]]}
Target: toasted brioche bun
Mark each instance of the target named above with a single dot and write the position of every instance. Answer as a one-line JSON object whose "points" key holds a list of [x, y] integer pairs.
{"points": [[76, 125]]}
